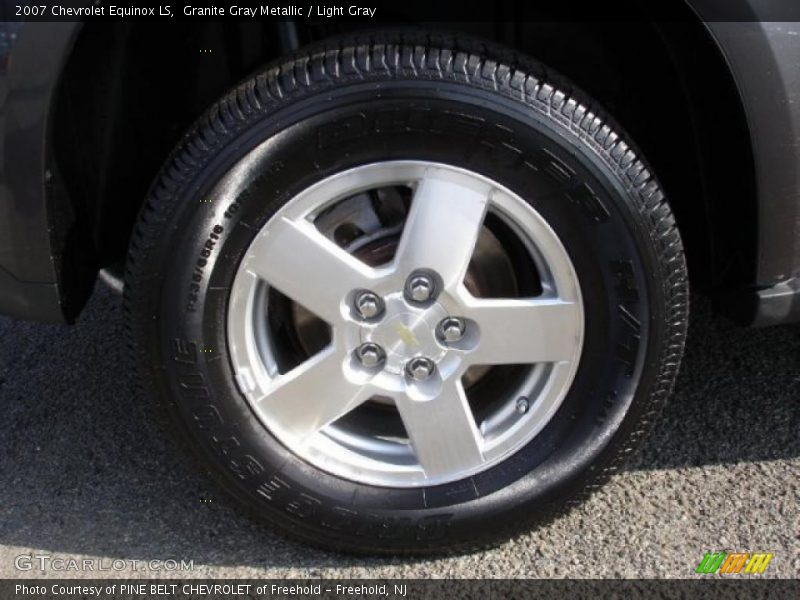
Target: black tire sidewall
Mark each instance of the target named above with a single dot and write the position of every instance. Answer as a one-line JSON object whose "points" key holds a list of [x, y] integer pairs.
{"points": [[607, 239]]}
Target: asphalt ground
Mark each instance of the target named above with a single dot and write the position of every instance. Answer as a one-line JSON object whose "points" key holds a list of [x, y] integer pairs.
{"points": [[86, 473]]}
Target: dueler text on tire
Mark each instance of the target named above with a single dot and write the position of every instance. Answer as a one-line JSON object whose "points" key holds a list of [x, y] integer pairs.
{"points": [[403, 297]]}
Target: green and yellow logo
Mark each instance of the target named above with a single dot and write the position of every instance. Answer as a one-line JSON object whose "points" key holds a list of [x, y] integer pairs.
{"points": [[726, 563]]}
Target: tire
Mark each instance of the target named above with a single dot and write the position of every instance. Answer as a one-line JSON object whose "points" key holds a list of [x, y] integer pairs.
{"points": [[440, 106]]}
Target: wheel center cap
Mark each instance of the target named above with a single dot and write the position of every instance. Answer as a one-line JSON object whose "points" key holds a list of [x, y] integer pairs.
{"points": [[407, 334]]}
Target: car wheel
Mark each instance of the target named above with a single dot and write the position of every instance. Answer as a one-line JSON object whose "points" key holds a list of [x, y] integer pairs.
{"points": [[407, 297]]}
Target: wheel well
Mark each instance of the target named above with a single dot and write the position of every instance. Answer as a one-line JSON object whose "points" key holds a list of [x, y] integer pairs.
{"points": [[128, 92]]}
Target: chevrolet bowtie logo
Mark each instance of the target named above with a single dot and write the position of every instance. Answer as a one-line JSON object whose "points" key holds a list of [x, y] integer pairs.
{"points": [[405, 334]]}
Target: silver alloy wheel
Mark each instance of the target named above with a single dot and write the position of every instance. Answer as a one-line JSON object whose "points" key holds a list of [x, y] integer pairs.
{"points": [[303, 406]]}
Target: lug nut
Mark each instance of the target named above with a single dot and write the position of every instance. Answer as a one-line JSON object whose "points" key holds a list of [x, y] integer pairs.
{"points": [[420, 368], [452, 329], [370, 355], [522, 405], [420, 288], [368, 304]]}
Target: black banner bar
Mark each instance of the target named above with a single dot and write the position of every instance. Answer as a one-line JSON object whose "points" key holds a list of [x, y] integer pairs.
{"points": [[394, 589], [400, 12]]}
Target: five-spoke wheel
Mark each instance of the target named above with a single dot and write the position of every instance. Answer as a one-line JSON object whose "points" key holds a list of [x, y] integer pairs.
{"points": [[405, 331], [407, 294]]}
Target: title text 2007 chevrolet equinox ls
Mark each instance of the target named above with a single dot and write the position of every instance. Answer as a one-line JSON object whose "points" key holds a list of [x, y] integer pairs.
{"points": [[404, 291]]}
